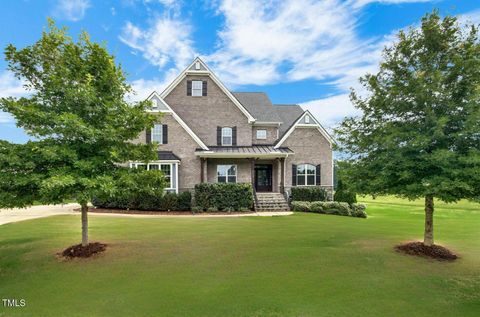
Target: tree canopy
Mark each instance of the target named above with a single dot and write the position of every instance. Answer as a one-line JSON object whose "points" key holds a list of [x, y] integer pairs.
{"points": [[78, 118], [419, 132]]}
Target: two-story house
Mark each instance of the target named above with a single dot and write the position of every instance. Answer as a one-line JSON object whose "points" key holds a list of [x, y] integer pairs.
{"points": [[210, 134]]}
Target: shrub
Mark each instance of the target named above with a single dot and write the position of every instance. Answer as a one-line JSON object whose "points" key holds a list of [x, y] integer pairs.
{"points": [[344, 209], [358, 210], [304, 206], [224, 196], [143, 190], [184, 201], [212, 209], [197, 209], [343, 194], [331, 208], [317, 206], [308, 194]]}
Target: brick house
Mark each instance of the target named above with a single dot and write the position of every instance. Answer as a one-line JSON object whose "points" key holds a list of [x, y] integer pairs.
{"points": [[210, 134]]}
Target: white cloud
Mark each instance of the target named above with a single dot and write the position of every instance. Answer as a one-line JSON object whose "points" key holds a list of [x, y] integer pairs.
{"points": [[360, 3], [167, 40], [9, 87], [73, 10], [331, 110]]}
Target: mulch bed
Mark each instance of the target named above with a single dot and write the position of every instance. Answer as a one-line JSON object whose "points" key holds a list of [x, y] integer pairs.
{"points": [[419, 249], [163, 213], [78, 251]]}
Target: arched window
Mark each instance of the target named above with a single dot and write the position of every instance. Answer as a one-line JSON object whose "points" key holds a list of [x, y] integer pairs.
{"points": [[226, 136], [306, 175]]}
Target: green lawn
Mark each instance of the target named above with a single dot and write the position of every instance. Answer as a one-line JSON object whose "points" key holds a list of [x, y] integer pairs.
{"points": [[300, 265]]}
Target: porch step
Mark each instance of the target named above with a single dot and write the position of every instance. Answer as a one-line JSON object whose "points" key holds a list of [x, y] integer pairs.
{"points": [[271, 202]]}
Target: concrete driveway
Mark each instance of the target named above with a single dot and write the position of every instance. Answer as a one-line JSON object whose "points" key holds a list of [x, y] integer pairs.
{"points": [[19, 214]]}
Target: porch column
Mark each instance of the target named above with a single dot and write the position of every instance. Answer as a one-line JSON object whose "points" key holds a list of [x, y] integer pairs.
{"points": [[282, 175], [203, 169], [252, 172]]}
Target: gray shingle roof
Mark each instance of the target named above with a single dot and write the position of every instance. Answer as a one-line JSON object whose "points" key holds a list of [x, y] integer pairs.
{"points": [[167, 155], [259, 105], [288, 114]]}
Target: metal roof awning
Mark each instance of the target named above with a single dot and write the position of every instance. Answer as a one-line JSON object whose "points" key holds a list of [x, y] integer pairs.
{"points": [[254, 151], [167, 156]]}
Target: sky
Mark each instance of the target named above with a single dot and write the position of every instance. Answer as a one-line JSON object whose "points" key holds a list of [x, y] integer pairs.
{"points": [[302, 52]]}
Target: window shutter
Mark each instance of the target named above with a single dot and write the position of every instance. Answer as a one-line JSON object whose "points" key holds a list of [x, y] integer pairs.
{"points": [[165, 134], [148, 138], [189, 87], [294, 175], [234, 136], [219, 136], [204, 88], [318, 175]]}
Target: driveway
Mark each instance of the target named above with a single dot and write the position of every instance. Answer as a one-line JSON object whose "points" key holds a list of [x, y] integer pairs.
{"points": [[19, 214]]}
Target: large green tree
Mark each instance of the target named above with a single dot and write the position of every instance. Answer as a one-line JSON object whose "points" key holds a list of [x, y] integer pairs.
{"points": [[79, 120], [419, 134]]}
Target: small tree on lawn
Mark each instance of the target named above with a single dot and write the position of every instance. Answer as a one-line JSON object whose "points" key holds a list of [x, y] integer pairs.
{"points": [[78, 115], [419, 135]]}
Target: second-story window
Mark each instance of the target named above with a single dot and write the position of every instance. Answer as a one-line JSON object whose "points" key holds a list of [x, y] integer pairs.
{"points": [[157, 133], [261, 134], [226, 136], [197, 88]]}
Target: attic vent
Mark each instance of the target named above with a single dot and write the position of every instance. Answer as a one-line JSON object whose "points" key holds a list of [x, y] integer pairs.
{"points": [[307, 119], [197, 65]]}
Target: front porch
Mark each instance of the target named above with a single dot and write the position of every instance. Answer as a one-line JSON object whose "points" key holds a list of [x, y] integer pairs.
{"points": [[262, 166]]}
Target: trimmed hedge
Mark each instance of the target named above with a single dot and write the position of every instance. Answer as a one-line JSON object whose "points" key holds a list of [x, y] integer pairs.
{"points": [[165, 202], [331, 208], [228, 197], [308, 194]]}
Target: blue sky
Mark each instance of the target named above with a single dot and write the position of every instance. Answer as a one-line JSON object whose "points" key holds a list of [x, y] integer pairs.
{"points": [[298, 51]]}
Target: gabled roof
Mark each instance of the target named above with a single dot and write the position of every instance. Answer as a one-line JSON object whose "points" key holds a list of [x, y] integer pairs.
{"points": [[198, 67], [299, 123], [259, 105], [177, 118], [288, 114]]}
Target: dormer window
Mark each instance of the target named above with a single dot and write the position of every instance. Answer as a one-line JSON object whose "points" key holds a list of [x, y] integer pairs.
{"points": [[226, 136], [197, 87], [307, 119]]}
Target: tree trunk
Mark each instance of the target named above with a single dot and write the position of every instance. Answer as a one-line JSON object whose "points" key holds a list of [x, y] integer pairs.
{"points": [[84, 225], [428, 235]]}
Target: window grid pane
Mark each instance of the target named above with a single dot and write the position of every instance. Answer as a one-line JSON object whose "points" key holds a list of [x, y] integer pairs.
{"points": [[227, 173], [226, 136], [306, 175], [261, 134], [157, 132], [197, 86]]}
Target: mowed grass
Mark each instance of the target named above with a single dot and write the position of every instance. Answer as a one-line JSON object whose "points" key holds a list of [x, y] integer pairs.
{"points": [[300, 265]]}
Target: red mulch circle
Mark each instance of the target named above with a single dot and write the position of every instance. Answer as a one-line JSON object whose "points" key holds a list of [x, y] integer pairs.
{"points": [[435, 251], [78, 251]]}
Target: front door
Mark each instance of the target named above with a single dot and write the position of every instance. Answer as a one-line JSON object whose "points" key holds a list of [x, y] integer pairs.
{"points": [[263, 178]]}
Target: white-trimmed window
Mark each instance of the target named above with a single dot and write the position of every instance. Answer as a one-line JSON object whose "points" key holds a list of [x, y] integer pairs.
{"points": [[166, 168], [227, 136], [197, 88], [261, 134], [307, 119], [227, 173], [157, 133], [306, 175]]}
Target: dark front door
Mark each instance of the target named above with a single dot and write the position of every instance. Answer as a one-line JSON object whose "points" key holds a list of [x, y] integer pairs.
{"points": [[263, 178]]}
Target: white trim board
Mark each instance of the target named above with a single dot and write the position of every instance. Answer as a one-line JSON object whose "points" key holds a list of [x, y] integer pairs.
{"points": [[297, 124], [209, 73], [178, 119]]}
